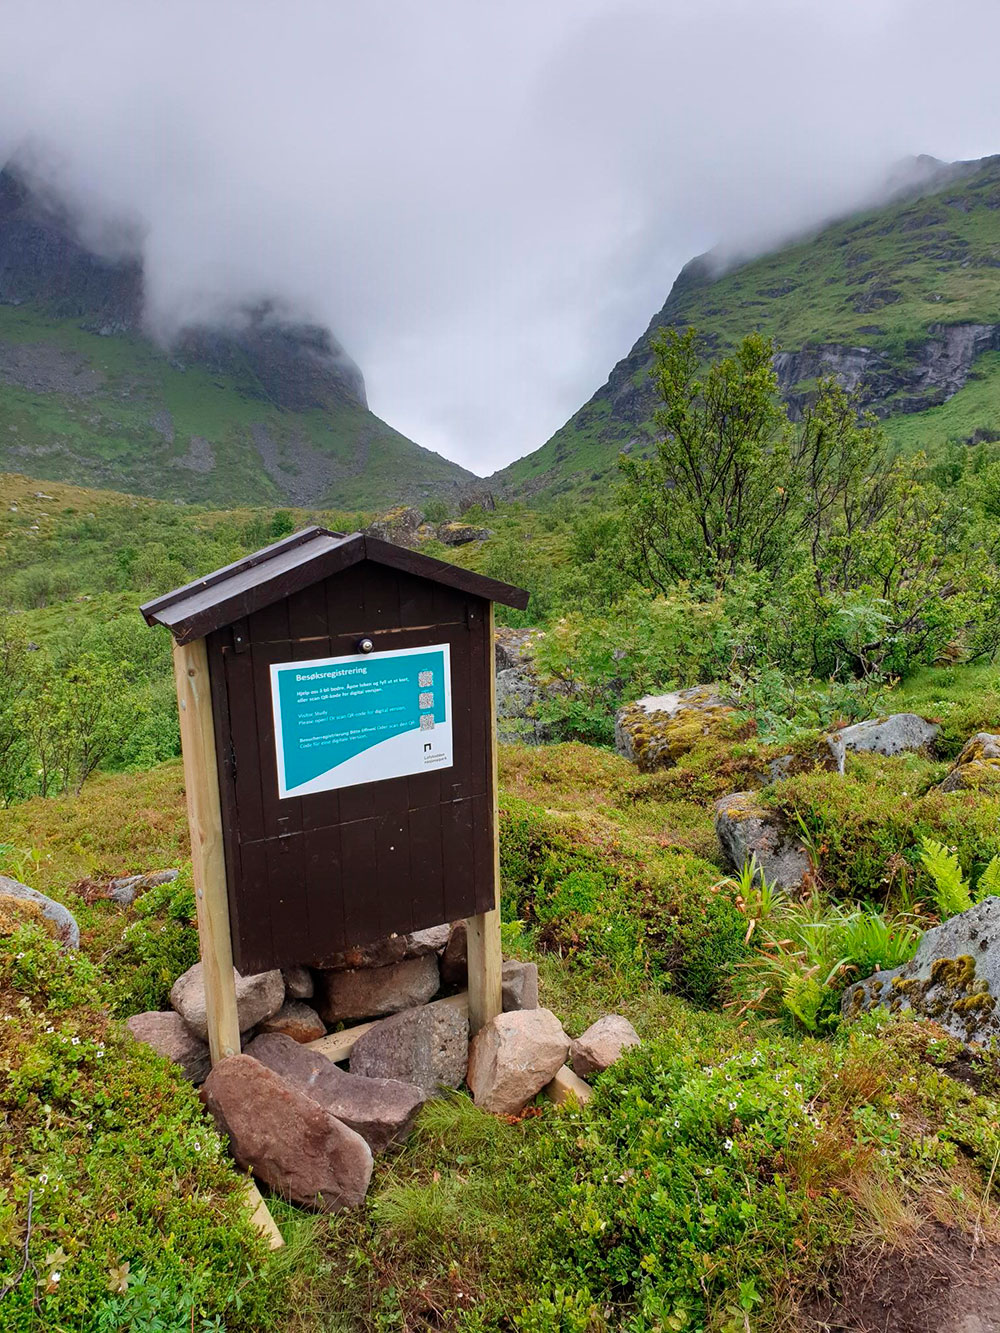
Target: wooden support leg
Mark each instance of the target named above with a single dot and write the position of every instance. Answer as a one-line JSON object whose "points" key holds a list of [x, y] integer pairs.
{"points": [[485, 966], [485, 951], [208, 861]]}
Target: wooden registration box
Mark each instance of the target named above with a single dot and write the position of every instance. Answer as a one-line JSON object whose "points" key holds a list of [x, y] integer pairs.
{"points": [[313, 874]]}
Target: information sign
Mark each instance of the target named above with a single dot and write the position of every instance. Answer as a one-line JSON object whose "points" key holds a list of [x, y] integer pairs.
{"points": [[340, 721]]}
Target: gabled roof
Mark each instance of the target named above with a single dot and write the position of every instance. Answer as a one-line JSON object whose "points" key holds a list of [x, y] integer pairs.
{"points": [[294, 563]]}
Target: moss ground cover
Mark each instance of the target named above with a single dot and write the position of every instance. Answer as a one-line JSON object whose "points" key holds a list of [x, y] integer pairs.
{"points": [[712, 1184], [136, 1216]]}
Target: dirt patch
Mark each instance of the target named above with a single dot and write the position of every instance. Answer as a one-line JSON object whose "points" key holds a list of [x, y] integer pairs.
{"points": [[938, 1283]]}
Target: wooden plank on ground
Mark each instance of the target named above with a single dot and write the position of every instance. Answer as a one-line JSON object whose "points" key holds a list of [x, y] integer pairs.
{"points": [[260, 1217], [338, 1045], [565, 1085]]}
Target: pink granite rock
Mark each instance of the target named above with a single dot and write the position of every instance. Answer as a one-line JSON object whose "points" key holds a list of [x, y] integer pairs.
{"points": [[513, 1057], [285, 1138], [257, 998], [296, 1020], [169, 1036], [381, 1110], [602, 1044]]}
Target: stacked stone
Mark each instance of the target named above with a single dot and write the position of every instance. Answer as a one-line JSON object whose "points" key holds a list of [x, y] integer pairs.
{"points": [[310, 1129]]}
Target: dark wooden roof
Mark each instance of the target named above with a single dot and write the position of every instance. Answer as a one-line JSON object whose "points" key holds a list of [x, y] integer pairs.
{"points": [[294, 563]]}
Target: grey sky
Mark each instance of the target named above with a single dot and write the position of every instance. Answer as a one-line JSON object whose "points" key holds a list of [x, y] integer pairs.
{"points": [[486, 202]]}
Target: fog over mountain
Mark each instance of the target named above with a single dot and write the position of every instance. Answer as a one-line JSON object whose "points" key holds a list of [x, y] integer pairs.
{"points": [[485, 203]]}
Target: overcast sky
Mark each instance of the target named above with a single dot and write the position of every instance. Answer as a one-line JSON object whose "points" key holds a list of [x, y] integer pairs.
{"points": [[485, 201]]}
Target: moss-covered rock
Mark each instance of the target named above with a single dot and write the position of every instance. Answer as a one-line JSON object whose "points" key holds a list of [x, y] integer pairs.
{"points": [[749, 831], [897, 734], [18, 912], [521, 688], [978, 764], [654, 732], [953, 978], [66, 929]]}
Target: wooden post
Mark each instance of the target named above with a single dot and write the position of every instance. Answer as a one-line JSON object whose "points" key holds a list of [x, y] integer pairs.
{"points": [[208, 860], [485, 950]]}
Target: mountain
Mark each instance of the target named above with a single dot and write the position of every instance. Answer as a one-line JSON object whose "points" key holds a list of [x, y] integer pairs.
{"points": [[266, 410], [900, 302]]}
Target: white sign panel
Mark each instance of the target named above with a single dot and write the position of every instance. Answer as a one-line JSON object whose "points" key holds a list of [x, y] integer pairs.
{"points": [[341, 721]]}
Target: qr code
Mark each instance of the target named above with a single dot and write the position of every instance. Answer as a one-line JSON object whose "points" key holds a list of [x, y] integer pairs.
{"points": [[426, 701], [425, 678], [426, 721]]}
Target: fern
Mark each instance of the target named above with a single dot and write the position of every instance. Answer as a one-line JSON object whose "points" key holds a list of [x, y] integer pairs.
{"points": [[989, 880], [803, 996], [951, 892]]}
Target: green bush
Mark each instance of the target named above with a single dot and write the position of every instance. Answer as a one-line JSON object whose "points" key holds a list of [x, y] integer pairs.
{"points": [[644, 913], [137, 1217], [706, 1183], [702, 945], [156, 948], [866, 829]]}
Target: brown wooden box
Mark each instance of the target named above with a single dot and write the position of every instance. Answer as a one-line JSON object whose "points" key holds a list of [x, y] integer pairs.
{"points": [[310, 876]]}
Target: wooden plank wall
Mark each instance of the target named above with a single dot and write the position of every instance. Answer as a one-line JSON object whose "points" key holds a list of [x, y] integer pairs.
{"points": [[310, 876]]}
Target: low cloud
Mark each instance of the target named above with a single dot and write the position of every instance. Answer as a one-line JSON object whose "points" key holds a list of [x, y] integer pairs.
{"points": [[485, 203]]}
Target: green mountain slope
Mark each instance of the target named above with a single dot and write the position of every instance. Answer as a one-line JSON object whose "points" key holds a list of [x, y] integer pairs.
{"points": [[115, 412], [902, 303], [265, 411]]}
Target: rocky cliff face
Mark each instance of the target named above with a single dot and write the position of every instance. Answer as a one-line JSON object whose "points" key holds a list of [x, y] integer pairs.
{"points": [[931, 373], [43, 263], [935, 372], [259, 409], [898, 303]]}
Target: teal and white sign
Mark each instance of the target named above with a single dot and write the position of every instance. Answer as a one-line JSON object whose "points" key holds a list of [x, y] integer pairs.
{"points": [[341, 721]]}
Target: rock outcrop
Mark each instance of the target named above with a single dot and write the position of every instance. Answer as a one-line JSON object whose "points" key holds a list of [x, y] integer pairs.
{"points": [[125, 891], [953, 978], [896, 734], [520, 688], [460, 534], [654, 732], [748, 831], [977, 765]]}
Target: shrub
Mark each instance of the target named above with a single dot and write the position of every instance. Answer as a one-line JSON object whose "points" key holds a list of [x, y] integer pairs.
{"points": [[640, 912], [864, 829], [156, 948], [706, 1184], [137, 1217]]}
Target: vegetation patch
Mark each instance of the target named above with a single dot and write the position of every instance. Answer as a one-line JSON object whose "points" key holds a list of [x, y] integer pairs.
{"points": [[118, 1206]]}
